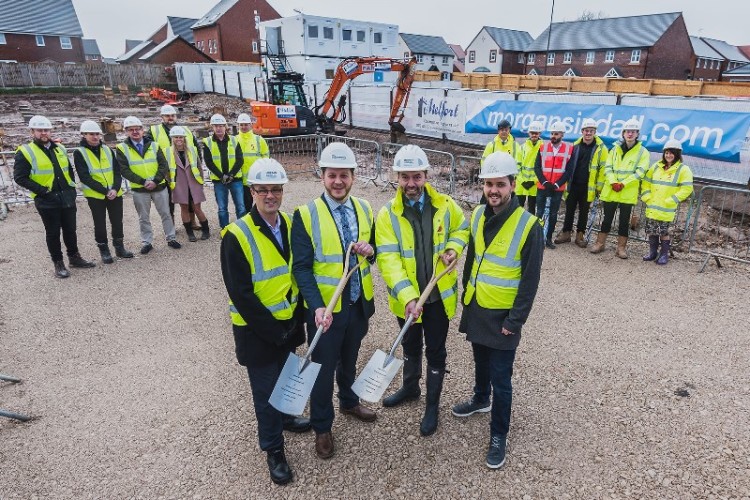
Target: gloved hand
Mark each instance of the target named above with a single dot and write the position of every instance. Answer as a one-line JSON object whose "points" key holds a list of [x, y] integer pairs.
{"points": [[225, 179], [549, 187], [530, 184], [617, 186]]}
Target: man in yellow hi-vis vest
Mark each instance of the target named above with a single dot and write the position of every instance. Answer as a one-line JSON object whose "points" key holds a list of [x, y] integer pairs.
{"points": [[501, 277], [253, 147]]}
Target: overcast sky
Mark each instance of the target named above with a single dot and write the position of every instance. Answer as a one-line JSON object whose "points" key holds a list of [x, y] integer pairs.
{"points": [[110, 23]]}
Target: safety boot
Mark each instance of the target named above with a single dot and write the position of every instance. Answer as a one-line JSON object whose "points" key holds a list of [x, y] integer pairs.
{"points": [[581, 240], [205, 233], [189, 231], [60, 270], [409, 390], [104, 251], [563, 237], [429, 423], [664, 253], [77, 261], [120, 250], [653, 246], [622, 242], [601, 240]]}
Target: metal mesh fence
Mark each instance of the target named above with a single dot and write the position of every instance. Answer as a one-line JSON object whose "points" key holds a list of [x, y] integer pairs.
{"points": [[442, 167], [298, 154], [466, 185], [368, 154]]}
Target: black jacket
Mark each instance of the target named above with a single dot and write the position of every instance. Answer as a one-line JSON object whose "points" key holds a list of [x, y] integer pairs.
{"points": [[573, 162], [220, 170], [82, 169], [61, 195], [540, 175], [161, 174]]}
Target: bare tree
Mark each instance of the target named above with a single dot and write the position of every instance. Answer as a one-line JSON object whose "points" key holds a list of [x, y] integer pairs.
{"points": [[588, 15]]}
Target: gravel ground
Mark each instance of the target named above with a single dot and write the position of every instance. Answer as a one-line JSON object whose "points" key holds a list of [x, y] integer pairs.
{"points": [[634, 390]]}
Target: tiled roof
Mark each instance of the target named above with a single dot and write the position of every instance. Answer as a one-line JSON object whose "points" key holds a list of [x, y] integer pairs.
{"points": [[134, 51], [511, 40], [616, 32], [426, 44], [215, 13], [703, 50], [458, 50], [39, 17], [181, 27], [729, 52], [90, 47], [739, 70], [131, 44]]}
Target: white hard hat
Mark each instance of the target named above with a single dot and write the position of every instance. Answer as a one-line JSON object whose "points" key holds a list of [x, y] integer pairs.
{"points": [[168, 109], [40, 122], [337, 155], [498, 164], [557, 127], [631, 124], [90, 127], [218, 119], [588, 123], [672, 144], [536, 127], [131, 121], [177, 132], [267, 171], [244, 118], [410, 158]]}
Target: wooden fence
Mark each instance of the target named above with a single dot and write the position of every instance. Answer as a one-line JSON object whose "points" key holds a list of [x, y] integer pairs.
{"points": [[82, 75], [583, 84]]}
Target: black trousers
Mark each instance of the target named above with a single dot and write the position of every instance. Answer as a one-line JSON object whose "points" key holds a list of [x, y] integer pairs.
{"points": [[577, 198], [248, 196], [610, 207], [56, 220], [432, 332], [99, 211], [337, 352], [531, 200]]}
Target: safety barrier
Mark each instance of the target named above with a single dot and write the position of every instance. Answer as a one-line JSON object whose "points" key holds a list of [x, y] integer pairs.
{"points": [[467, 188], [298, 153], [721, 225], [442, 167], [368, 153]]}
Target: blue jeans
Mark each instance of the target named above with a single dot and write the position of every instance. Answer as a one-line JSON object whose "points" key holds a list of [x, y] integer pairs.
{"points": [[554, 206], [493, 370], [222, 199]]}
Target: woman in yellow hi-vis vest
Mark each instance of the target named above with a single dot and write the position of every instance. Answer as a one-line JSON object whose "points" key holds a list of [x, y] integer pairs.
{"points": [[186, 180]]}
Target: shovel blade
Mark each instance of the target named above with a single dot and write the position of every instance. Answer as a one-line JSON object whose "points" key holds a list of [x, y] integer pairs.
{"points": [[293, 388], [376, 376]]}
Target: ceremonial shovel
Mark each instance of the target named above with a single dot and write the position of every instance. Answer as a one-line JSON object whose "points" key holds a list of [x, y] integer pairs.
{"points": [[382, 368], [298, 376]]}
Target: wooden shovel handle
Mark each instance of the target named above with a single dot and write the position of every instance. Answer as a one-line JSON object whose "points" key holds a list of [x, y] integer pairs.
{"points": [[342, 282], [433, 281]]}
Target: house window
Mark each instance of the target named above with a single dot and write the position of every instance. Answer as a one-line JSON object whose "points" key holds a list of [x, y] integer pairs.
{"points": [[493, 56], [377, 37], [65, 43], [312, 31], [532, 58], [255, 46], [521, 59], [635, 56], [698, 63], [590, 57], [346, 35], [712, 64], [551, 58], [40, 40], [432, 59], [3, 41], [360, 36], [328, 33], [406, 56], [472, 56], [570, 73], [609, 56], [567, 58], [705, 64], [445, 60], [419, 58]]}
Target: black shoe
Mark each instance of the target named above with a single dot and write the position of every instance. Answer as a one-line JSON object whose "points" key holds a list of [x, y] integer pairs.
{"points": [[496, 452], [77, 261], [104, 251], [470, 407], [146, 248], [189, 231], [429, 423], [205, 233], [550, 244], [278, 467], [120, 250], [60, 270], [297, 424], [174, 244]]}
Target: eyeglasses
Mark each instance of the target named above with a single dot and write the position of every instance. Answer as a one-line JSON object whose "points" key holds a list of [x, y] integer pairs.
{"points": [[265, 192]]}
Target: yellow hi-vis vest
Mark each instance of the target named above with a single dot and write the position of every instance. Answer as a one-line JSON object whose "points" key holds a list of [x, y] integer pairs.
{"points": [[329, 249], [216, 155], [161, 136], [496, 271], [496, 144], [271, 274], [663, 190], [628, 169], [42, 169], [146, 167], [100, 169], [394, 237], [191, 156], [253, 147], [526, 172], [596, 167]]}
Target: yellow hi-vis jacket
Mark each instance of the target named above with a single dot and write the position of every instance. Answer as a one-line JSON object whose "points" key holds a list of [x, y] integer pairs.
{"points": [[161, 136], [596, 167], [664, 189], [496, 144], [146, 167], [100, 169], [216, 155], [529, 151], [191, 156], [271, 274], [253, 147], [42, 169], [496, 271], [394, 238], [627, 169], [328, 265]]}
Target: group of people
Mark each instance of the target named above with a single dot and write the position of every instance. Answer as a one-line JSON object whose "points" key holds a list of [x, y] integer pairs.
{"points": [[281, 271], [164, 166], [586, 170]]}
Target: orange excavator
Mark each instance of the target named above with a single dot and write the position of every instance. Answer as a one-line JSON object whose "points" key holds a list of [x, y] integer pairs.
{"points": [[287, 113]]}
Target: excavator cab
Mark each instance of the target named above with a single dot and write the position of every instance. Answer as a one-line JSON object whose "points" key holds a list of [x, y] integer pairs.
{"points": [[288, 112]]}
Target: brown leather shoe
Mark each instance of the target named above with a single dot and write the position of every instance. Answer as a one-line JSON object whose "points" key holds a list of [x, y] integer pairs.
{"points": [[324, 445], [360, 412]]}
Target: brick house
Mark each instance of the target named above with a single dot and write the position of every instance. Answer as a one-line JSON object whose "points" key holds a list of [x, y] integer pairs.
{"points": [[497, 51], [432, 52], [27, 36], [91, 51], [230, 31], [460, 61], [732, 56], [171, 43], [707, 62], [649, 46], [738, 74]]}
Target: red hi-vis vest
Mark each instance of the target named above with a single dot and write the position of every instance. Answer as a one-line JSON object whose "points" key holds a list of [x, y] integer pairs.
{"points": [[554, 163]]}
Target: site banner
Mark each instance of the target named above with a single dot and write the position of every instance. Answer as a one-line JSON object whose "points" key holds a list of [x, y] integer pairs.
{"points": [[716, 135], [435, 113]]}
